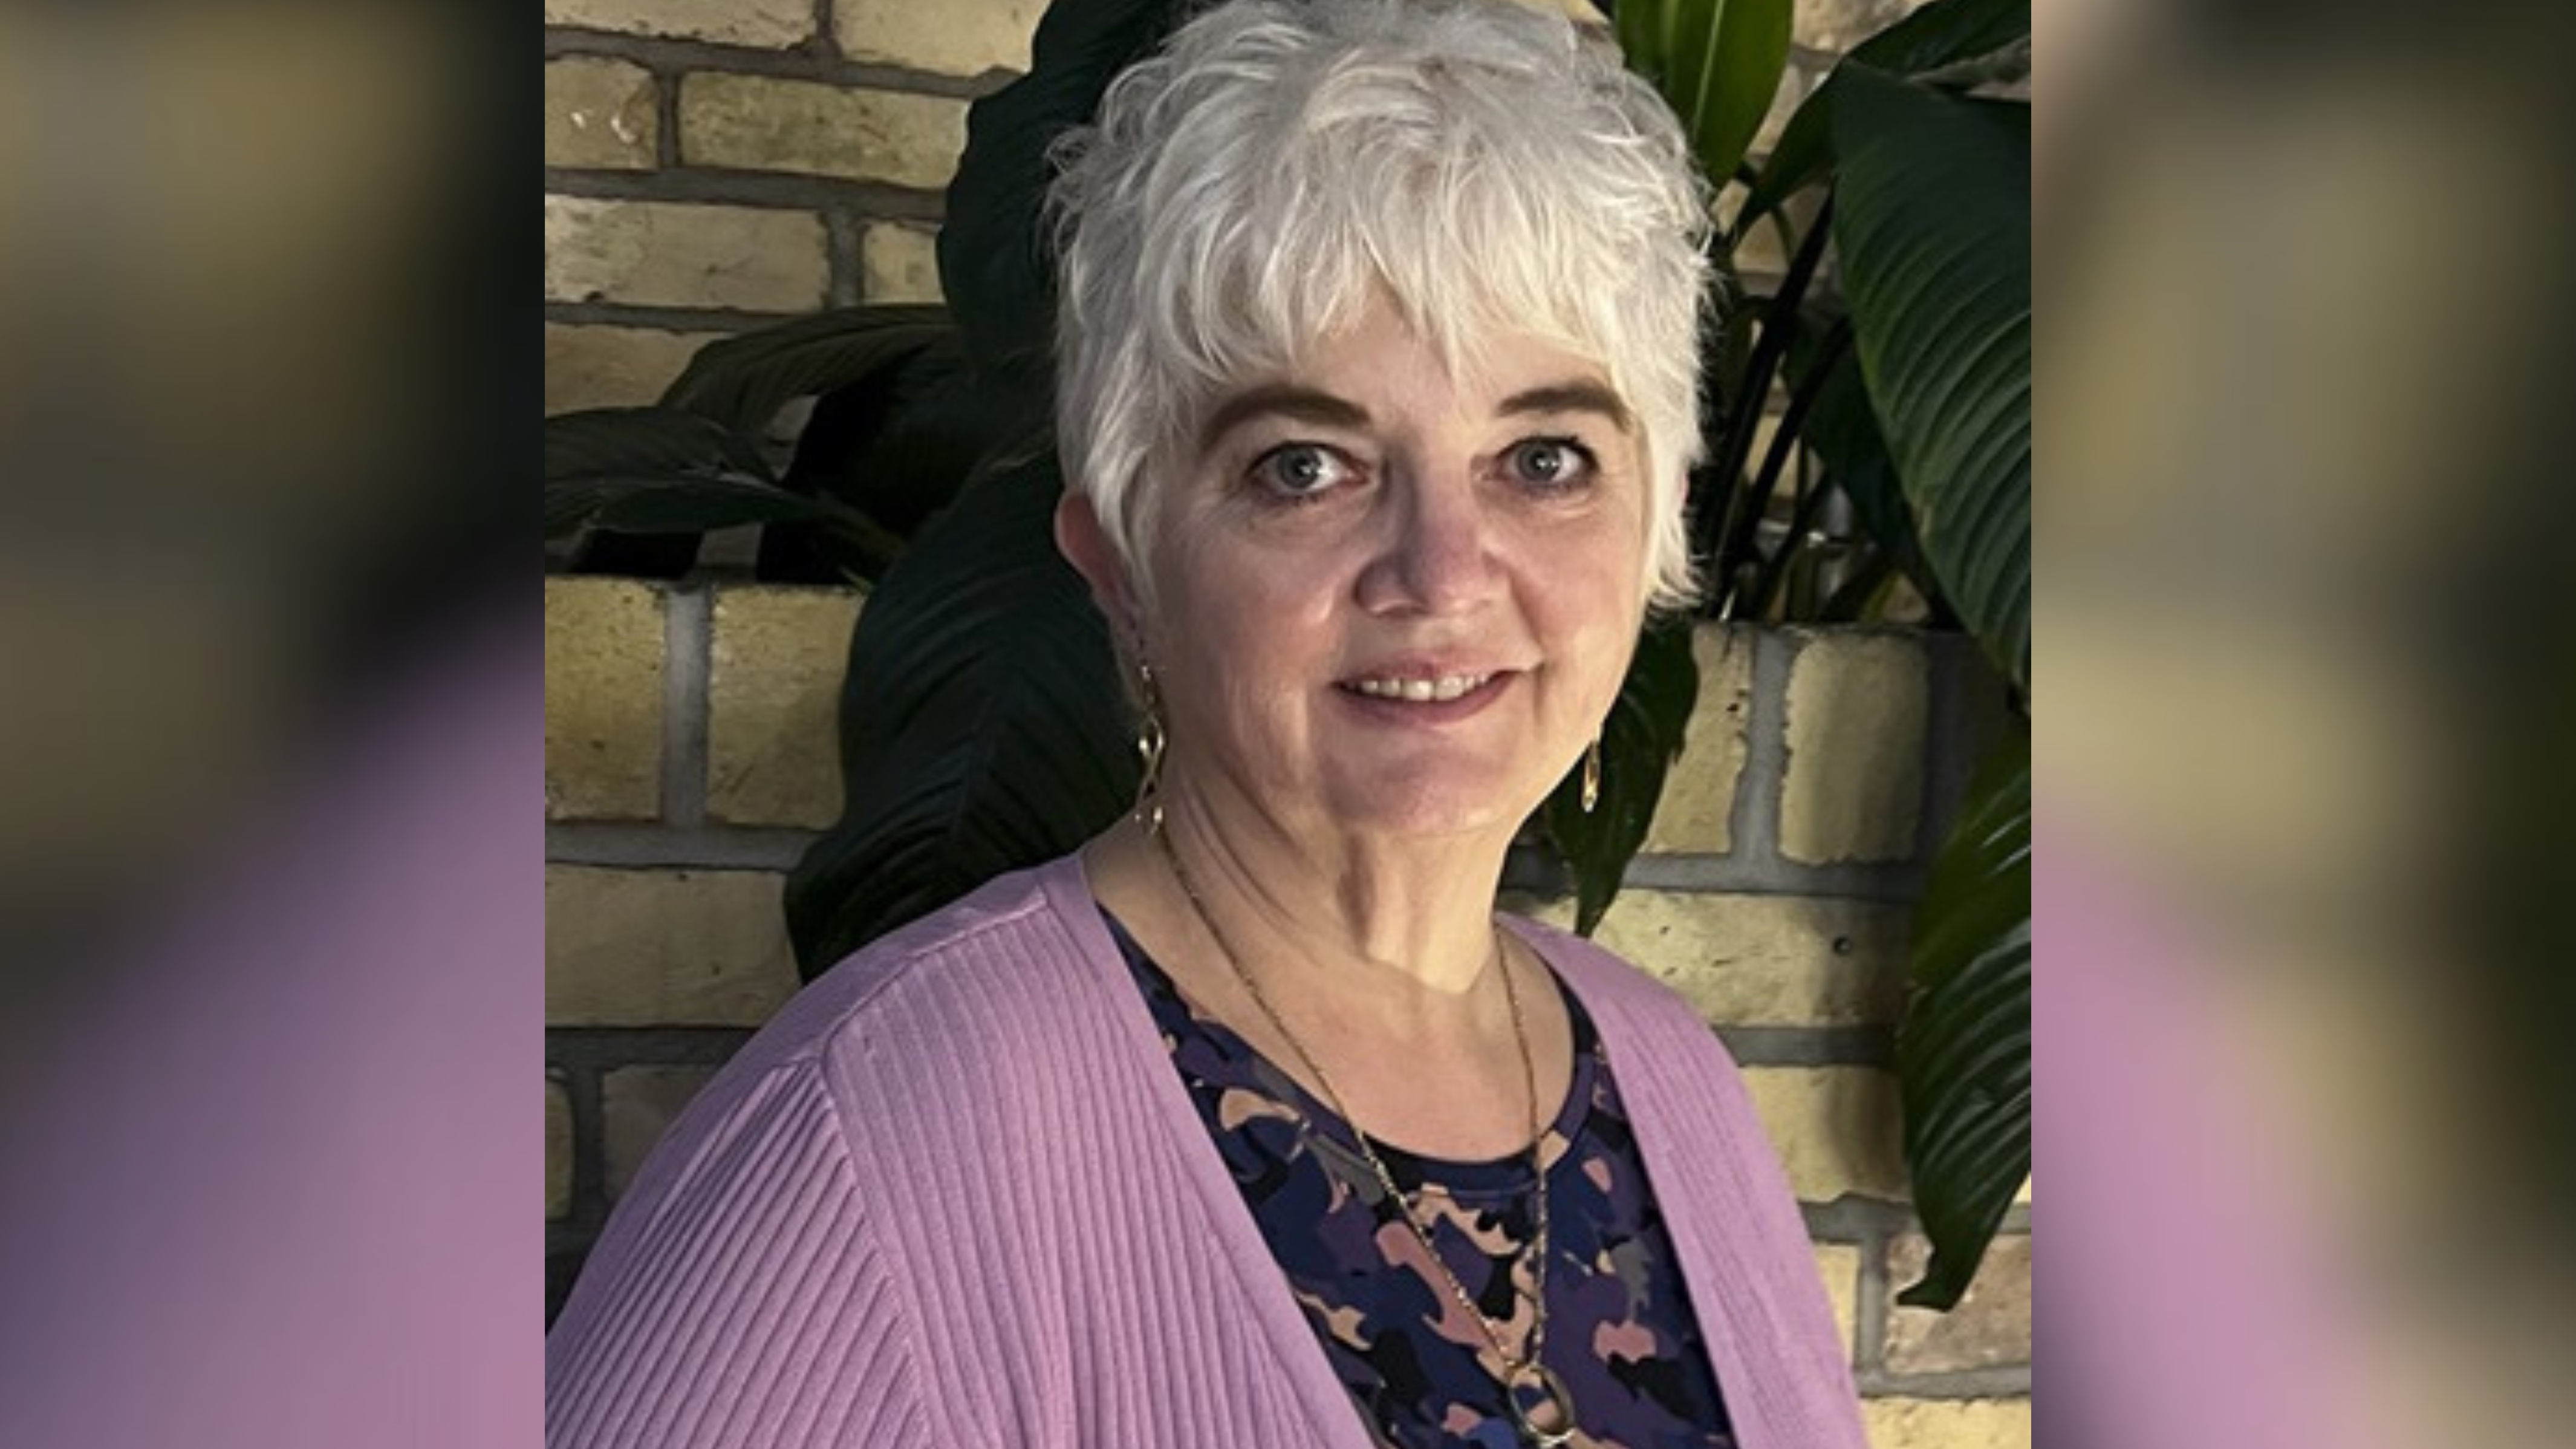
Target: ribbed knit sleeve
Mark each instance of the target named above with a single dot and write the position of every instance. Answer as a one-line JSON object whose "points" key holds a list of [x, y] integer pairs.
{"points": [[742, 1301]]}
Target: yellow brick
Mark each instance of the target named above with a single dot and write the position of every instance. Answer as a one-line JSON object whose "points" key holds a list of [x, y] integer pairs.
{"points": [[1838, 25], [1947, 1424], [1856, 715], [764, 24], [600, 113], [613, 367], [958, 37], [558, 1152], [774, 692], [899, 264], [603, 700], [1989, 1328], [680, 254], [1836, 1129], [1839, 1265], [664, 947], [1699, 794], [1767, 960], [760, 123], [636, 1105]]}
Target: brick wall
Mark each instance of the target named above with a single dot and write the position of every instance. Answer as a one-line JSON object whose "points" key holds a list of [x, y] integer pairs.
{"points": [[713, 165]]}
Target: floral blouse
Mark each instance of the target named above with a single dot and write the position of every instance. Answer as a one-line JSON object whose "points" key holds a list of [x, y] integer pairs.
{"points": [[1620, 1331]]}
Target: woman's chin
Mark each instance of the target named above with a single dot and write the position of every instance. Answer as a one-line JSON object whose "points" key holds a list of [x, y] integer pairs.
{"points": [[1431, 806]]}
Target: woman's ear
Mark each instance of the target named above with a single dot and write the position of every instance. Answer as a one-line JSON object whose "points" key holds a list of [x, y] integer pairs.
{"points": [[1085, 544]]}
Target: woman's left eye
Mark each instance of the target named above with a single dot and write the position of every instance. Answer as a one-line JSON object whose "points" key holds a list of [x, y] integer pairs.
{"points": [[1550, 462]]}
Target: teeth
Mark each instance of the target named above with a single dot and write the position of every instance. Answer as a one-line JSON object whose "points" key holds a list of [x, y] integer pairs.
{"points": [[1422, 691]]}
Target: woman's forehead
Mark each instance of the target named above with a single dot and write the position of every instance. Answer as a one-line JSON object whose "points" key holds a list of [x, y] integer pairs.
{"points": [[1373, 359]]}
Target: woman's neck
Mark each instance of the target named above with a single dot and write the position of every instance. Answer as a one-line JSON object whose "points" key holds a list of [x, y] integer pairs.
{"points": [[1399, 929]]}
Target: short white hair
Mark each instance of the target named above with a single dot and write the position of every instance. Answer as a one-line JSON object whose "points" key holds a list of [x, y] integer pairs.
{"points": [[1490, 169]]}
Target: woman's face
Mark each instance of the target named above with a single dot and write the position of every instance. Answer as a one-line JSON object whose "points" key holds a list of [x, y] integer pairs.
{"points": [[1393, 602]]}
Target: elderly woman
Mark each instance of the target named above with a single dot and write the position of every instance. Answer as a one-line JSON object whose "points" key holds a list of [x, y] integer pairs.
{"points": [[1253, 1124]]}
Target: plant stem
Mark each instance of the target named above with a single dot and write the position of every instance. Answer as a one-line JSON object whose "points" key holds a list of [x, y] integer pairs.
{"points": [[1779, 319]]}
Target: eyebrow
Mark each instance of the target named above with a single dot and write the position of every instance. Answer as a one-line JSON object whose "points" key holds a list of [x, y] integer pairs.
{"points": [[1571, 397], [1281, 400], [1307, 404]]}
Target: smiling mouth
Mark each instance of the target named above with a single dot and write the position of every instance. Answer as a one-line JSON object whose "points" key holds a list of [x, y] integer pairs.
{"points": [[1420, 691]]}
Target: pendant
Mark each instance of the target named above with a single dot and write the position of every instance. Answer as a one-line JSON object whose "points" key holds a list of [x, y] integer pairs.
{"points": [[1541, 1404]]}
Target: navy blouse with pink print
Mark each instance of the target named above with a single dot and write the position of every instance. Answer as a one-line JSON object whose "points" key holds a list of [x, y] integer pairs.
{"points": [[1620, 1334]]}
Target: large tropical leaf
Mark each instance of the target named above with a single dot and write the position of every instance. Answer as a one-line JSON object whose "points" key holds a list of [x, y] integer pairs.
{"points": [[742, 381], [1639, 743], [1842, 431], [1941, 35], [897, 445], [1963, 1055], [1717, 62], [657, 470], [981, 725], [993, 260], [1932, 223]]}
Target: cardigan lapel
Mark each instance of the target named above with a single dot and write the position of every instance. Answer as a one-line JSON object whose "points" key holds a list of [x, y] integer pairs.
{"points": [[1721, 1195], [1715, 1176], [1334, 1421]]}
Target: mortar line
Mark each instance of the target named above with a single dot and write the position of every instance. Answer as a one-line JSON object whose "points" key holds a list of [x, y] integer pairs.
{"points": [[666, 121], [841, 253], [2000, 1382], [1951, 756], [589, 1156], [737, 186], [601, 1049], [651, 847], [661, 319], [826, 44], [1869, 1309], [1810, 1046], [1853, 1219], [1892, 884], [1754, 828], [817, 60], [686, 649]]}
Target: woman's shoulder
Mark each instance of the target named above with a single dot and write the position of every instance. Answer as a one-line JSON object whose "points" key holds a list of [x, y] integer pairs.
{"points": [[965, 1013], [1006, 958]]}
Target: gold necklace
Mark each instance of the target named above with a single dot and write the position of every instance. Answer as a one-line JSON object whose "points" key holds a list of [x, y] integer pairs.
{"points": [[1540, 1402]]}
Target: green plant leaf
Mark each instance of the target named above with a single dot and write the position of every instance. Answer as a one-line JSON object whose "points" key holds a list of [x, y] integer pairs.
{"points": [[742, 381], [994, 264], [672, 504], [1945, 33], [1717, 62], [1963, 1054], [897, 445], [1844, 434], [981, 725], [1932, 222], [1639, 742], [658, 470], [1942, 34]]}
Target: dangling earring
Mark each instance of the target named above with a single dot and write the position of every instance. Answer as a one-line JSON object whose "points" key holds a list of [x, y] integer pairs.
{"points": [[1592, 775], [1149, 751]]}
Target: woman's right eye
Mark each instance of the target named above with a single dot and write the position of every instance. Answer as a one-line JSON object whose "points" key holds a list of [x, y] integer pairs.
{"points": [[1301, 471]]}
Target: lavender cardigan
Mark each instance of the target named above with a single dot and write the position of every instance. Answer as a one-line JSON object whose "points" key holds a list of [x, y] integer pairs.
{"points": [[955, 1195]]}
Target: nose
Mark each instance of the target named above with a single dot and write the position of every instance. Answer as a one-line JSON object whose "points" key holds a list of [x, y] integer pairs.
{"points": [[1437, 554]]}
